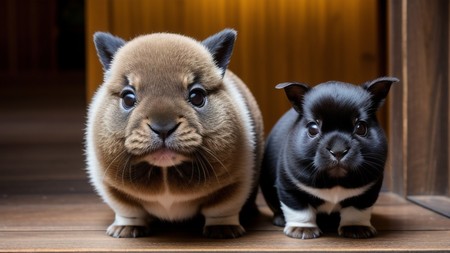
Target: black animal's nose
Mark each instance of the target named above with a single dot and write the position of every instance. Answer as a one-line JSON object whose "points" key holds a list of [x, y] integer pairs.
{"points": [[164, 129], [338, 153]]}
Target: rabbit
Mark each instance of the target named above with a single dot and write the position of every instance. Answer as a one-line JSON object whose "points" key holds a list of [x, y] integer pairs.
{"points": [[172, 134], [326, 155]]}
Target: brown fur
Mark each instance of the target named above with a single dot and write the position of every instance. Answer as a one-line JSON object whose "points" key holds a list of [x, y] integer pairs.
{"points": [[161, 68]]}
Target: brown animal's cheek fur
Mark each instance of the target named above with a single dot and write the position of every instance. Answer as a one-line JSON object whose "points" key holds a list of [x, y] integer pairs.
{"points": [[109, 129], [110, 137], [221, 129], [115, 119]]}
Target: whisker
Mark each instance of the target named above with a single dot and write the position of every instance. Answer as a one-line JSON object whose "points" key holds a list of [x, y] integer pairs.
{"points": [[123, 175], [211, 166], [118, 156], [214, 171], [178, 171], [193, 166], [127, 166], [208, 166], [199, 164], [210, 153]]}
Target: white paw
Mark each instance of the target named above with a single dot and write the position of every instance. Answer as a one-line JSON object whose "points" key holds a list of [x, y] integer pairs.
{"points": [[302, 232]]}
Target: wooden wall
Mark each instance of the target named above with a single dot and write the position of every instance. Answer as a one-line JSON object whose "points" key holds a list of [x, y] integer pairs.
{"points": [[284, 40], [28, 41], [419, 54], [41, 40]]}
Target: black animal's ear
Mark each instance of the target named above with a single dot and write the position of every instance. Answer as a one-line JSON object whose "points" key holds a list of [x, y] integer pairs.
{"points": [[107, 46], [379, 88], [220, 45], [295, 93]]}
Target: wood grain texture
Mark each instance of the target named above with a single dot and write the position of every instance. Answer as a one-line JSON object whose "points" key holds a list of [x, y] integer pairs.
{"points": [[428, 106], [419, 53], [28, 41], [396, 176], [77, 222], [255, 241]]}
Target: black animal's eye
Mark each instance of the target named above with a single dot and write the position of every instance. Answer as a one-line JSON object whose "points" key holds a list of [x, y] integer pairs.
{"points": [[197, 97], [361, 128], [313, 129], [128, 99]]}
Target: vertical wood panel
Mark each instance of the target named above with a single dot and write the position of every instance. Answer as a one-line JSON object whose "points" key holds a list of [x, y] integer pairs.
{"points": [[278, 41], [419, 51], [28, 38], [97, 19], [11, 32], [427, 53], [448, 110], [48, 37], [396, 176]]}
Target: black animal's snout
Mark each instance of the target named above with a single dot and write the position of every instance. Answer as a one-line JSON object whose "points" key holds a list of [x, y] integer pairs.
{"points": [[164, 128], [338, 153], [338, 147]]}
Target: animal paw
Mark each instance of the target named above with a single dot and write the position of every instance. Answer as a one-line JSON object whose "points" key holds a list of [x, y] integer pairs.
{"points": [[357, 232], [302, 233], [223, 231], [127, 231]]}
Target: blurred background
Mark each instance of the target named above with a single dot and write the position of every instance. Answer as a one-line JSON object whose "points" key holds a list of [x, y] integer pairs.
{"points": [[49, 71]]}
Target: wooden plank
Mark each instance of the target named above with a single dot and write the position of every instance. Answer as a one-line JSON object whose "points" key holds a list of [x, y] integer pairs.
{"points": [[255, 241], [395, 178], [54, 212], [427, 101], [419, 55]]}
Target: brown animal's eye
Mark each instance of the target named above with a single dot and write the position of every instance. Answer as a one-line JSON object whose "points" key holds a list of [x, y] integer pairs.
{"points": [[197, 97], [361, 128], [313, 129], [128, 99]]}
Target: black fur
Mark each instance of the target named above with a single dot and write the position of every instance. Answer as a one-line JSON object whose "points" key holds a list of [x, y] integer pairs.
{"points": [[340, 153], [221, 45], [107, 46]]}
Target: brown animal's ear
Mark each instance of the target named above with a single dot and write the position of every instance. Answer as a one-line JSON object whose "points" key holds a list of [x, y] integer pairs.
{"points": [[379, 88], [220, 45], [107, 46], [295, 93]]}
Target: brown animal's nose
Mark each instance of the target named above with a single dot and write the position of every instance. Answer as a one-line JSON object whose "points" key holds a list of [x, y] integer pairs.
{"points": [[164, 128]]}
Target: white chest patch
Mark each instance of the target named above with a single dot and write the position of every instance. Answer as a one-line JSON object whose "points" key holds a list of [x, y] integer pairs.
{"points": [[335, 194]]}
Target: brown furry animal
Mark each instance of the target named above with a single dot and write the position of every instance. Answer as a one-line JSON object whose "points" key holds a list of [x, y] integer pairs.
{"points": [[172, 134]]}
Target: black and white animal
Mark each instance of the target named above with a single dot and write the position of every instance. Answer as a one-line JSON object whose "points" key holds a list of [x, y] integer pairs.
{"points": [[326, 155], [172, 134]]}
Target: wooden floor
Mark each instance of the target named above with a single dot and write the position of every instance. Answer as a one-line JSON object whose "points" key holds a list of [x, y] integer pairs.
{"points": [[47, 204]]}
